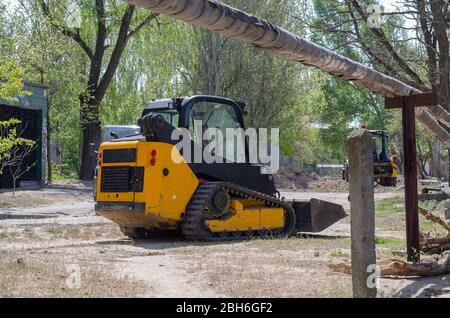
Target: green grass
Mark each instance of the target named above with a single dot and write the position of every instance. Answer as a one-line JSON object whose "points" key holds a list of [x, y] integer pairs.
{"points": [[384, 240], [390, 243], [391, 206], [339, 254], [53, 229], [390, 215], [435, 206]]}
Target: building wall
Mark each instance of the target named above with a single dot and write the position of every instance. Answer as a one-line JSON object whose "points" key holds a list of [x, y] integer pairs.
{"points": [[37, 101]]}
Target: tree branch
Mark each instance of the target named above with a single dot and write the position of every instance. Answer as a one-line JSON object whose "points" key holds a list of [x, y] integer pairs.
{"points": [[121, 43], [145, 22], [72, 34], [379, 34]]}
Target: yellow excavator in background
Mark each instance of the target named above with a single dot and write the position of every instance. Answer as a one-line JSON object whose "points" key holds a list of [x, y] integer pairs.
{"points": [[385, 169], [146, 183]]}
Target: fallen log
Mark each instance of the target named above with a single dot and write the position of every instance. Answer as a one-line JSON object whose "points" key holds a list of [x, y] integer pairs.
{"points": [[436, 241], [434, 244], [435, 218], [400, 268]]}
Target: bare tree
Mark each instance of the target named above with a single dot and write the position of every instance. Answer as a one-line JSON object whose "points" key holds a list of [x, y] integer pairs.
{"points": [[101, 72], [423, 64], [14, 149], [17, 168]]}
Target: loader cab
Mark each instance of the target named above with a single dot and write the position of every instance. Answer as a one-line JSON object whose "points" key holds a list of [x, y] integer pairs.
{"points": [[380, 146], [200, 115], [385, 169], [179, 112]]}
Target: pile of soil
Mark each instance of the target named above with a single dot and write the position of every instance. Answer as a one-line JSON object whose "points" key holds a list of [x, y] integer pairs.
{"points": [[293, 179]]}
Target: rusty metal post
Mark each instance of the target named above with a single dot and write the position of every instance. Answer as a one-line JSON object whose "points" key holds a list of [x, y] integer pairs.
{"points": [[408, 104], [410, 173]]}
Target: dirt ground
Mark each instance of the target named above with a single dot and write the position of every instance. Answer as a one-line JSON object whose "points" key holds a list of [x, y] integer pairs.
{"points": [[67, 251]]}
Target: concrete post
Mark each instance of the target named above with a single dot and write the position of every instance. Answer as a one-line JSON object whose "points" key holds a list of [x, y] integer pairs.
{"points": [[447, 211], [362, 211]]}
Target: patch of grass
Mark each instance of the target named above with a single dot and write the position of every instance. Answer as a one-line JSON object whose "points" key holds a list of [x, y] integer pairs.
{"points": [[23, 199], [433, 205], [389, 241], [435, 230], [391, 205], [3, 233], [339, 254], [390, 216], [54, 229], [8, 233], [72, 232], [63, 172], [83, 232], [250, 271], [381, 240], [32, 277]]}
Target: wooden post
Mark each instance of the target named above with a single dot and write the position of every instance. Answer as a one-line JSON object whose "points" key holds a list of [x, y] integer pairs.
{"points": [[362, 212], [410, 172], [408, 104]]}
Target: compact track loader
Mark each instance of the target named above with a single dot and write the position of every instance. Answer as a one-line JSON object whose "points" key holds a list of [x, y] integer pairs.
{"points": [[385, 169], [147, 183]]}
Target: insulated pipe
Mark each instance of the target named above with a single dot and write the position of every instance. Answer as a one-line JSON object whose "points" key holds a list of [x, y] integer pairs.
{"points": [[233, 23]]}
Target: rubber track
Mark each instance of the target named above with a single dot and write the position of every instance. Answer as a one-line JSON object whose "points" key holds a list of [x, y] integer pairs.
{"points": [[193, 225]]}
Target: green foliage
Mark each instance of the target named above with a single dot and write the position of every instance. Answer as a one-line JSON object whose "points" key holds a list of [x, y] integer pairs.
{"points": [[314, 112], [10, 140], [63, 172], [11, 75]]}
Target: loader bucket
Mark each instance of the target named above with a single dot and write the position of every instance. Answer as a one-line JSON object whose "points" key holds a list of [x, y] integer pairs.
{"points": [[316, 215]]}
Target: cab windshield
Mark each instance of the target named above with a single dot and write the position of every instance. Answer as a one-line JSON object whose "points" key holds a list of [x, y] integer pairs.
{"points": [[380, 148], [207, 116]]}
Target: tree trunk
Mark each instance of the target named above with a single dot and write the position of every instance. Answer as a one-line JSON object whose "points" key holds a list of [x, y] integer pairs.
{"points": [[448, 172], [436, 159], [91, 142], [91, 132], [49, 147]]}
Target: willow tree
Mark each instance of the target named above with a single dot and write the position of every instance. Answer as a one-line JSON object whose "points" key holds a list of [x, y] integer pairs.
{"points": [[109, 25], [234, 23], [410, 43]]}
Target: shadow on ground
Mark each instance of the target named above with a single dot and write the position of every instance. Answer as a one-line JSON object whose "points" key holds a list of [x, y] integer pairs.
{"points": [[425, 287]]}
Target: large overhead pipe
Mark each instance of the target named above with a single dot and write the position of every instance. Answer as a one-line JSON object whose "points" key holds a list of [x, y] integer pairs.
{"points": [[233, 23]]}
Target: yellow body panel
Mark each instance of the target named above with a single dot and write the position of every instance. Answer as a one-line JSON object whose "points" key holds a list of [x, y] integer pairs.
{"points": [[165, 197], [248, 215], [387, 164], [115, 197]]}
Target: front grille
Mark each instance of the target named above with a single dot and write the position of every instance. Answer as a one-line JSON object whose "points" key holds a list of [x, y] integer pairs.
{"points": [[115, 179]]}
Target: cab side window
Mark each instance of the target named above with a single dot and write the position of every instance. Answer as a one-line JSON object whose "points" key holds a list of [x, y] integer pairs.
{"points": [[207, 115]]}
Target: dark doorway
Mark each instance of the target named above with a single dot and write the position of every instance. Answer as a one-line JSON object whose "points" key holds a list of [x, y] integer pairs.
{"points": [[32, 129]]}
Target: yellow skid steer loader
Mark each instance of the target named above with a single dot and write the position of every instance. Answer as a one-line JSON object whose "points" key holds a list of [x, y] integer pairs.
{"points": [[146, 182]]}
